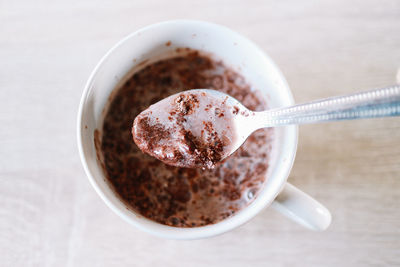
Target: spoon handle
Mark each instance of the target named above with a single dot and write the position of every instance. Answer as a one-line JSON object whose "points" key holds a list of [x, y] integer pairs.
{"points": [[370, 104]]}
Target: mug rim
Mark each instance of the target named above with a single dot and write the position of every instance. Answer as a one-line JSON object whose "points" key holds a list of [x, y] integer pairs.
{"points": [[140, 221]]}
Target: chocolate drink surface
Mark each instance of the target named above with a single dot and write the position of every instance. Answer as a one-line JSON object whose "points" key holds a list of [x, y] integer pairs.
{"points": [[175, 196]]}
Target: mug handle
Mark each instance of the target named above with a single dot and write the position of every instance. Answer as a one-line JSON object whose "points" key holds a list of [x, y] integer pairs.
{"points": [[301, 208]]}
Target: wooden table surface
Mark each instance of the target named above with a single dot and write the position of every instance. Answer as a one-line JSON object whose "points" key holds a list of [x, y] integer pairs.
{"points": [[51, 216]]}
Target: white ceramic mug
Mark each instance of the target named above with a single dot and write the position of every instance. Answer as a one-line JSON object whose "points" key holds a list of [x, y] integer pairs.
{"points": [[237, 52]]}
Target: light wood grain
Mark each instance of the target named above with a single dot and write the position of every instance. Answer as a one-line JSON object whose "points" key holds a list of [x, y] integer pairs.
{"points": [[50, 215]]}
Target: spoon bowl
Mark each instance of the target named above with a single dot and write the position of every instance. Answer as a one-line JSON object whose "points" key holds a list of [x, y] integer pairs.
{"points": [[195, 128]]}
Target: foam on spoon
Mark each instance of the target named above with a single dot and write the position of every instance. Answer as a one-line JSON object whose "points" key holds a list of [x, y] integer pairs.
{"points": [[192, 129]]}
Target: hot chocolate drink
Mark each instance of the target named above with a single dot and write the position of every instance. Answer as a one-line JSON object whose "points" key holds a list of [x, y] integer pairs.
{"points": [[175, 196]]}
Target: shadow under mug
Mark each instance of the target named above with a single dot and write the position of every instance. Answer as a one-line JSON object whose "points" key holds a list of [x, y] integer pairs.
{"points": [[235, 51]]}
